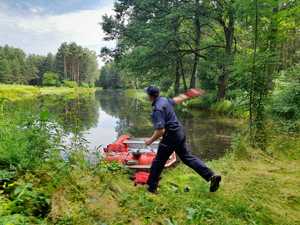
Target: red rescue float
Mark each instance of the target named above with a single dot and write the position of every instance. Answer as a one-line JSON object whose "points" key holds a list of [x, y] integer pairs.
{"points": [[133, 153]]}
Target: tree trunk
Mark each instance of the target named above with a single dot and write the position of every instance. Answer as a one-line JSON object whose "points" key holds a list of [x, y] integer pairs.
{"points": [[178, 56], [72, 70], [183, 75], [273, 48], [229, 55], [252, 113], [78, 73], [222, 84], [177, 78], [197, 43], [65, 68]]}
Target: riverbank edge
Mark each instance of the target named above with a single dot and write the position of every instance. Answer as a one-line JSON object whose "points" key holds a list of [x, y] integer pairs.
{"points": [[19, 92], [224, 107], [257, 188]]}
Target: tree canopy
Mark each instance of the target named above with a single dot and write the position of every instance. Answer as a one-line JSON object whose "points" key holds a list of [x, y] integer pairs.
{"points": [[72, 62], [235, 49]]}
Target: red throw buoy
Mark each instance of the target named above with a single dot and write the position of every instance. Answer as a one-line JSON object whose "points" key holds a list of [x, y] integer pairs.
{"points": [[141, 178], [133, 154]]}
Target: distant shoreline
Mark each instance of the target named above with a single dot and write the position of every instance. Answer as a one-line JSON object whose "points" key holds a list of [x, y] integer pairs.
{"points": [[20, 92]]}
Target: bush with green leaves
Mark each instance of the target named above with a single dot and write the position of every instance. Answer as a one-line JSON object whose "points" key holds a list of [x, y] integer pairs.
{"points": [[26, 140], [224, 106], [51, 79], [85, 85], [70, 83], [28, 201], [285, 102], [204, 102]]}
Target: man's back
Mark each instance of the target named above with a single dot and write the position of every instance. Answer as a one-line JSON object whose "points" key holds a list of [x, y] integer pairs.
{"points": [[163, 115]]}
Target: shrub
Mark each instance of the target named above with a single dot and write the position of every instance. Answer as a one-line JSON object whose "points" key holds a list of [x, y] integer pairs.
{"points": [[91, 85], [285, 102], [26, 140], [83, 84], [51, 79], [30, 202], [70, 83], [224, 106], [204, 102]]}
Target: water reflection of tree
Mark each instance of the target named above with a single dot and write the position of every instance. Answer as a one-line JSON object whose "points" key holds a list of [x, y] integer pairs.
{"points": [[208, 135], [133, 114], [73, 115]]}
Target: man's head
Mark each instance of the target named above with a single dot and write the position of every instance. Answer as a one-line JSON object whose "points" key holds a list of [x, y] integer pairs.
{"points": [[152, 92]]}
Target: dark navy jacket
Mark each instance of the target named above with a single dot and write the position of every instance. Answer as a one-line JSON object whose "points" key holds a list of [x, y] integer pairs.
{"points": [[163, 115]]}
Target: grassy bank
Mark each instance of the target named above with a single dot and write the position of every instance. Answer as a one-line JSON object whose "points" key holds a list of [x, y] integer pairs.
{"points": [[18, 92], [258, 188]]}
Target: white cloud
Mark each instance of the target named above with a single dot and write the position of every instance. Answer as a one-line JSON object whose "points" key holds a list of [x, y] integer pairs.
{"points": [[36, 10], [41, 34]]}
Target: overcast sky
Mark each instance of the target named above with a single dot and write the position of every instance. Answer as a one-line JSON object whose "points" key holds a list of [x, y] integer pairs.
{"points": [[40, 26]]}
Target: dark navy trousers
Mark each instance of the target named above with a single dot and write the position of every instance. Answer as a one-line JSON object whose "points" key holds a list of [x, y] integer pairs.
{"points": [[175, 141]]}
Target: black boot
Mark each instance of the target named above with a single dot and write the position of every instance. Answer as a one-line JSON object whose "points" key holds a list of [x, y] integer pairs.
{"points": [[152, 190], [215, 183]]}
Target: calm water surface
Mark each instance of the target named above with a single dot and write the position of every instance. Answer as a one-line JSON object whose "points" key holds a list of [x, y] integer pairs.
{"points": [[100, 119]]}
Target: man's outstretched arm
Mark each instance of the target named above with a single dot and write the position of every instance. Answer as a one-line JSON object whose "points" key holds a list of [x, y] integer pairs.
{"points": [[191, 93]]}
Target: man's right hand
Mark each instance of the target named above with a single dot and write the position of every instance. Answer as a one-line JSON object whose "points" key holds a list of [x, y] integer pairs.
{"points": [[194, 92], [191, 93]]}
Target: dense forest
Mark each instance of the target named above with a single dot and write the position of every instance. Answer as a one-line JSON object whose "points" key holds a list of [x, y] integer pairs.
{"points": [[207, 42], [71, 63], [244, 53]]}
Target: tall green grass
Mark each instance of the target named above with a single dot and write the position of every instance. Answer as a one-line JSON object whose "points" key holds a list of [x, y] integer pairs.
{"points": [[25, 140], [28, 144]]}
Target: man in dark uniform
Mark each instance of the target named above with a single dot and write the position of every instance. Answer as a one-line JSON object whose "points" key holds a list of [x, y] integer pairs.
{"points": [[168, 127]]}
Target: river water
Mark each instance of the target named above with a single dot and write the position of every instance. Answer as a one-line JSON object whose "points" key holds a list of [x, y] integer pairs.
{"points": [[99, 119]]}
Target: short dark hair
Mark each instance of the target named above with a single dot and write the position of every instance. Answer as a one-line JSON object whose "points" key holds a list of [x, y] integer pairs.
{"points": [[152, 91]]}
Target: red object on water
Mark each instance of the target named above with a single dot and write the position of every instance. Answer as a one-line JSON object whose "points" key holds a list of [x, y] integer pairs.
{"points": [[141, 178], [119, 151], [139, 159], [119, 145]]}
